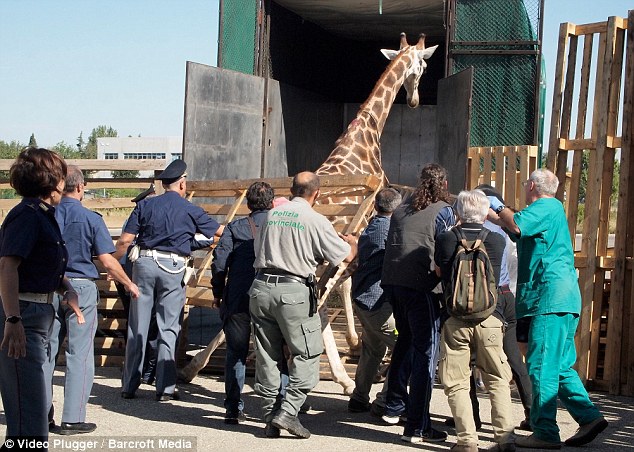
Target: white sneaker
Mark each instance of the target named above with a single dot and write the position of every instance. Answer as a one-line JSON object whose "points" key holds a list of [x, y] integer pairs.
{"points": [[393, 420]]}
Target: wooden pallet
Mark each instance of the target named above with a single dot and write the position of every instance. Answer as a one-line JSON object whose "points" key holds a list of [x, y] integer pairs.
{"points": [[595, 62], [504, 167], [338, 324], [227, 199]]}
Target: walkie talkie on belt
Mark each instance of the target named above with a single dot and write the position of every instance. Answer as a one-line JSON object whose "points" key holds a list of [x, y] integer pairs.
{"points": [[311, 282]]}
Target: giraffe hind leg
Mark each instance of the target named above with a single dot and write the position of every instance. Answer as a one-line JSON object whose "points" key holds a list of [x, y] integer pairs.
{"points": [[352, 338], [339, 374]]}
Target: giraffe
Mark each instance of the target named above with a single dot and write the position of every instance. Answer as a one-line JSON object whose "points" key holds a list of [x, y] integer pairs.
{"points": [[358, 151]]}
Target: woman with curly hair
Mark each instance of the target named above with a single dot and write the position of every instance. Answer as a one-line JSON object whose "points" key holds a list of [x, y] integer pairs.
{"points": [[412, 286], [32, 263]]}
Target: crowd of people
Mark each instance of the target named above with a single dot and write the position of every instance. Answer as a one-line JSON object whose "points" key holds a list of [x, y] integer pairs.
{"points": [[263, 279]]}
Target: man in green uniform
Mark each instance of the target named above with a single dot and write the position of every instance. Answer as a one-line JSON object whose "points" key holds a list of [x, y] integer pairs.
{"points": [[548, 292], [293, 240]]}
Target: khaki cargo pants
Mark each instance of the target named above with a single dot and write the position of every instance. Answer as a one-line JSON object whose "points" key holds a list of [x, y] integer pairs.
{"points": [[458, 340]]}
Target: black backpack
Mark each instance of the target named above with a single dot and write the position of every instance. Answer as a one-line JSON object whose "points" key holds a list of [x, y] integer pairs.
{"points": [[471, 293]]}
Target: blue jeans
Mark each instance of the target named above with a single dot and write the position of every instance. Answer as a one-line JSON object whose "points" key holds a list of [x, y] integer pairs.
{"points": [[24, 381], [415, 356], [237, 330]]}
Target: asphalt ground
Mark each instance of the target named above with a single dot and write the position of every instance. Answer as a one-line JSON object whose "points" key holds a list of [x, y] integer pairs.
{"points": [[196, 421]]}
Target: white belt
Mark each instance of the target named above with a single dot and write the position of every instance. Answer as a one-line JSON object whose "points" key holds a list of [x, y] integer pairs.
{"points": [[43, 298], [164, 254]]}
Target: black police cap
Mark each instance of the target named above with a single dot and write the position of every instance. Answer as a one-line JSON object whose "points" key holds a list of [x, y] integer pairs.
{"points": [[173, 172], [144, 194], [490, 191]]}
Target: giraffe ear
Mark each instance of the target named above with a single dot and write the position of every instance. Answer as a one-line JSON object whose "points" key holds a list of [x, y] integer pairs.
{"points": [[429, 51], [389, 54]]}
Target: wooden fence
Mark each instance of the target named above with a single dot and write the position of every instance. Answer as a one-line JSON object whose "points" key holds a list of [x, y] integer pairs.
{"points": [[504, 167], [587, 95], [95, 184], [222, 199]]}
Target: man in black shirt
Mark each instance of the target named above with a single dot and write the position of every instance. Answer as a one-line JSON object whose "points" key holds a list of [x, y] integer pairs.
{"points": [[233, 274]]}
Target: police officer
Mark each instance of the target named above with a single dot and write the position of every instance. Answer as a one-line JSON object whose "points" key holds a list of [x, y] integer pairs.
{"points": [[292, 241], [85, 234], [164, 227], [32, 264], [125, 261], [149, 362]]}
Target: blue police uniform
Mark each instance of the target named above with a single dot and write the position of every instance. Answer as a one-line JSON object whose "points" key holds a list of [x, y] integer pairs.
{"points": [[31, 233], [86, 235], [149, 362], [232, 276], [165, 226]]}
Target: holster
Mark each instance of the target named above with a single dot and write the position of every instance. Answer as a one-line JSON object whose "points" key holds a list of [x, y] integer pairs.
{"points": [[311, 282], [188, 273], [133, 253]]}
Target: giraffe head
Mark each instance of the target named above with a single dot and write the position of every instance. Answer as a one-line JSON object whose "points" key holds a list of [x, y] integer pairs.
{"points": [[416, 67]]}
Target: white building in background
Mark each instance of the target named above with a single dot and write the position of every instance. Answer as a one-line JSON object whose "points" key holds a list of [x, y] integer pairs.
{"points": [[139, 148]]}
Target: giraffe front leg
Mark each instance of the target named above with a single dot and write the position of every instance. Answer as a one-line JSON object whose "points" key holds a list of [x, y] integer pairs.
{"points": [[201, 359], [339, 374], [352, 338]]}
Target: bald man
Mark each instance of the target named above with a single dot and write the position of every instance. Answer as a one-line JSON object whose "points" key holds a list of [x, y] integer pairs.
{"points": [[293, 239]]}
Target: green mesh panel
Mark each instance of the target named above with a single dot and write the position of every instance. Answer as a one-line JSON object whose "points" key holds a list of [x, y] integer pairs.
{"points": [[503, 109], [238, 35], [542, 110]]}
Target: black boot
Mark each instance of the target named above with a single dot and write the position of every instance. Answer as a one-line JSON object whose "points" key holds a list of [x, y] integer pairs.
{"points": [[526, 423], [291, 424], [271, 431]]}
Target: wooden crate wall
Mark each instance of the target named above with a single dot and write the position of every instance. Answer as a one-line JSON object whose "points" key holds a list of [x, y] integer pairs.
{"points": [[225, 199], [589, 79], [504, 167]]}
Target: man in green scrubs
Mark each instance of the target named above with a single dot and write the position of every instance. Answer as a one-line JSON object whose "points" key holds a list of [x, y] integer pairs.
{"points": [[548, 293]]}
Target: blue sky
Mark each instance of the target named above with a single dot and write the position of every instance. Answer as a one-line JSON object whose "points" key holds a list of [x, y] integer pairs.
{"points": [[577, 12], [67, 66]]}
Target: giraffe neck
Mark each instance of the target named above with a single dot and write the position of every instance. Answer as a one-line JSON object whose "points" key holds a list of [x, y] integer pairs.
{"points": [[380, 101], [358, 150]]}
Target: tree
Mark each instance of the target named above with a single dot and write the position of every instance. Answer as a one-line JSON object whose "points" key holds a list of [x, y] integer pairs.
{"points": [[98, 132], [32, 141], [10, 150], [81, 144], [615, 180], [67, 151], [583, 183], [125, 174]]}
